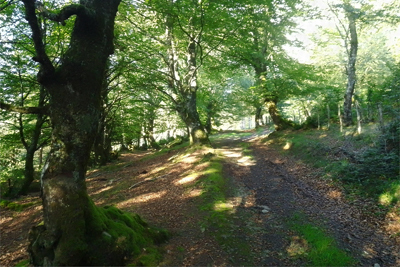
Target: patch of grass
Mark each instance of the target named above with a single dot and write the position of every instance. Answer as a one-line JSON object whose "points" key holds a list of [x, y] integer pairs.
{"points": [[15, 206], [164, 151], [219, 214], [320, 249], [23, 263], [230, 135]]}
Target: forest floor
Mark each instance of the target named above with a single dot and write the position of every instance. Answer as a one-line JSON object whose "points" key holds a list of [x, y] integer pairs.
{"points": [[255, 216]]}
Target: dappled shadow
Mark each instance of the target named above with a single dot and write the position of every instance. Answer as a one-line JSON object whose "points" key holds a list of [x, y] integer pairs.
{"points": [[286, 188]]}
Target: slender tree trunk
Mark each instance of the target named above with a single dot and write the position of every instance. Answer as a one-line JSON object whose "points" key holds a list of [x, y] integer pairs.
{"points": [[381, 124], [351, 70], [329, 116], [257, 117], [150, 130], [340, 118], [29, 172], [358, 117]]}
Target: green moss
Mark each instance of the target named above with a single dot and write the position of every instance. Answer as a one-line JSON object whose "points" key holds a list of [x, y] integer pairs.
{"points": [[119, 235], [322, 249], [15, 206], [23, 263]]}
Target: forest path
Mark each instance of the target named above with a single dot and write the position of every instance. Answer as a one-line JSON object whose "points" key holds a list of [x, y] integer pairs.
{"points": [[265, 191], [286, 189]]}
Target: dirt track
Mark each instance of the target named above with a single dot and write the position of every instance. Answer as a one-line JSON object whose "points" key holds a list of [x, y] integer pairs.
{"points": [[287, 188], [273, 189]]}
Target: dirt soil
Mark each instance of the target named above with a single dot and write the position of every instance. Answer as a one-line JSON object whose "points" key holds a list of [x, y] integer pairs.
{"points": [[267, 190]]}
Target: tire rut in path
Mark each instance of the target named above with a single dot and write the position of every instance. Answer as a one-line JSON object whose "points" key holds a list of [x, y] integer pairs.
{"points": [[274, 184]]}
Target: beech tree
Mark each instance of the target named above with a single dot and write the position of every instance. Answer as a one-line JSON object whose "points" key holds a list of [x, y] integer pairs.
{"points": [[75, 231], [259, 44]]}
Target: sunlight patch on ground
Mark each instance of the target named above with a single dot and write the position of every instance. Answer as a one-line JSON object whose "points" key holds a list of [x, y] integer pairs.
{"points": [[335, 194], [159, 169], [231, 154], [5, 219], [102, 190], [141, 199], [288, 145], [393, 222], [194, 193], [230, 205], [187, 179], [246, 161], [189, 158]]}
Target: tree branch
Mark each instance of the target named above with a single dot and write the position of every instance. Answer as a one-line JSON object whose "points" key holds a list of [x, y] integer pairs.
{"points": [[24, 110], [47, 67], [64, 14]]}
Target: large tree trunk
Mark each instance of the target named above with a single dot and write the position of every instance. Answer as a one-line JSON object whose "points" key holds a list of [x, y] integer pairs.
{"points": [[351, 70], [279, 122], [188, 113], [75, 231]]}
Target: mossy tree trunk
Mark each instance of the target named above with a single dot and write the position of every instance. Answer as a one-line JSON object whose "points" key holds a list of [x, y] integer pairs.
{"points": [[279, 122], [75, 231], [188, 113]]}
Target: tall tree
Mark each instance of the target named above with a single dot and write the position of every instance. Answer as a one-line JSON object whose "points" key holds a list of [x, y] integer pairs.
{"points": [[175, 38], [75, 231], [259, 44]]}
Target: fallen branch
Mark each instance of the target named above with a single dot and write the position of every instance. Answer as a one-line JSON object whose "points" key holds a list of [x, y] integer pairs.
{"points": [[147, 180]]}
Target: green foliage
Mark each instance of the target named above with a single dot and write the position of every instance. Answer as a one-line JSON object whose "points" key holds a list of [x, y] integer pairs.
{"points": [[322, 249]]}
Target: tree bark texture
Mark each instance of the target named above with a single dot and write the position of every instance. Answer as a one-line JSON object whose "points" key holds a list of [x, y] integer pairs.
{"points": [[188, 112], [75, 231], [279, 122], [351, 69]]}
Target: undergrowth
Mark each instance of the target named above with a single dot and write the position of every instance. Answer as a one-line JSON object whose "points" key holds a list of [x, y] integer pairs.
{"points": [[367, 165]]}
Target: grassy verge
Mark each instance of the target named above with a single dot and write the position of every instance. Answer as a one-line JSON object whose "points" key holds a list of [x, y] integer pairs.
{"points": [[317, 247], [357, 162], [15, 206], [221, 216]]}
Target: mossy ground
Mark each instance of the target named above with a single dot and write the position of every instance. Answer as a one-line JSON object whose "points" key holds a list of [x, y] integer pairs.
{"points": [[316, 246]]}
